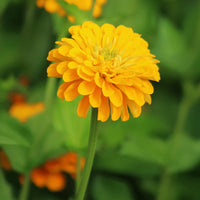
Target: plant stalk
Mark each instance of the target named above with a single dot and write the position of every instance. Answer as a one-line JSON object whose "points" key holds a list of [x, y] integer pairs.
{"points": [[89, 157], [25, 188]]}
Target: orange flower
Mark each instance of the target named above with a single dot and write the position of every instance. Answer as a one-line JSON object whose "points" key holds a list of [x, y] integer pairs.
{"points": [[52, 6], [43, 178], [4, 161], [111, 67], [50, 174], [98, 8], [68, 163], [23, 111]]}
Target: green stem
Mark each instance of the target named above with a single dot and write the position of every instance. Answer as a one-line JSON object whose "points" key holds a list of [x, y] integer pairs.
{"points": [[89, 157], [49, 92], [184, 107], [25, 187], [78, 172]]}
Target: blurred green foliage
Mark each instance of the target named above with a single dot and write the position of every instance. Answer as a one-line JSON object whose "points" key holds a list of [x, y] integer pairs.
{"points": [[156, 156]]}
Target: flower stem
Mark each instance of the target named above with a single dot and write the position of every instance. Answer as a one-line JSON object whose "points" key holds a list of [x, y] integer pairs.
{"points": [[78, 172], [188, 100], [25, 188], [89, 157], [49, 92]]}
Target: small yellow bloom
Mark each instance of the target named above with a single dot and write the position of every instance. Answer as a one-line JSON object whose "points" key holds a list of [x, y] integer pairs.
{"points": [[110, 66], [23, 111]]}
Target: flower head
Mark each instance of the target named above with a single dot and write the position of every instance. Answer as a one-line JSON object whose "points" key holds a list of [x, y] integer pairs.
{"points": [[111, 67]]}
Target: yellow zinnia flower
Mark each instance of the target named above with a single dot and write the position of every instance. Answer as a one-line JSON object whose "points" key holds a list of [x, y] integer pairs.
{"points": [[111, 67]]}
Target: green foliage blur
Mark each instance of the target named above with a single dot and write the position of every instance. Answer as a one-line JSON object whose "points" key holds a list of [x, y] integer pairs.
{"points": [[156, 156]]}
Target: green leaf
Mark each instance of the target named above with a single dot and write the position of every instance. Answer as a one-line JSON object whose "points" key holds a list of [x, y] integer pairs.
{"points": [[45, 142], [3, 5], [171, 49], [13, 132], [6, 193], [185, 155], [35, 50], [75, 129], [106, 188], [9, 45], [146, 148], [192, 23], [114, 162]]}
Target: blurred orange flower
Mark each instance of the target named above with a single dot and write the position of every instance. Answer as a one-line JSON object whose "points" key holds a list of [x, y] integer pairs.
{"points": [[53, 6], [111, 67], [50, 174], [54, 181], [23, 111]]}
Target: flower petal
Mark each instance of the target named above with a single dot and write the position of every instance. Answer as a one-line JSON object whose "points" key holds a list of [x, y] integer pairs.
{"points": [[61, 90], [95, 98], [98, 80], [84, 76], [70, 75], [147, 98], [134, 108], [125, 114], [103, 110], [83, 107], [72, 91], [115, 112], [86, 87], [62, 67], [133, 94], [52, 72]]}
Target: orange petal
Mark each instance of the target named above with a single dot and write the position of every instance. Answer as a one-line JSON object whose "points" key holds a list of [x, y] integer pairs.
{"points": [[83, 107], [70, 75], [116, 97], [84, 76], [72, 91], [39, 177], [134, 108], [52, 72], [98, 80], [62, 67], [61, 90], [86, 88], [115, 112], [73, 65], [107, 88], [147, 98], [64, 50], [103, 110], [56, 181], [51, 56], [95, 98], [144, 85], [133, 94], [125, 114]]}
